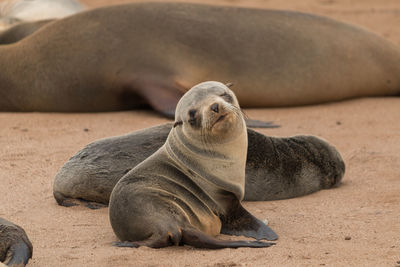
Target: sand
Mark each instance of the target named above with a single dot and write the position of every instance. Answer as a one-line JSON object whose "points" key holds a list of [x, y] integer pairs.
{"points": [[356, 224]]}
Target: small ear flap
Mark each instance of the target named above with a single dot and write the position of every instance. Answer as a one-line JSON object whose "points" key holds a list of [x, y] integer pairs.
{"points": [[178, 123], [229, 85]]}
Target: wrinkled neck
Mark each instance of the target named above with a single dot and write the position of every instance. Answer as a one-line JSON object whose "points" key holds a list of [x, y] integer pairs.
{"points": [[215, 167]]}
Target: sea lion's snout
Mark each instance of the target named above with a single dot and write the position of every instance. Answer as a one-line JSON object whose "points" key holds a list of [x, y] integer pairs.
{"points": [[338, 168], [215, 108], [336, 180], [219, 111]]}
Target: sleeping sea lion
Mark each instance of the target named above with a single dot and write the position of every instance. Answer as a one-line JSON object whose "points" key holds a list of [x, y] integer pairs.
{"points": [[135, 55], [276, 168]]}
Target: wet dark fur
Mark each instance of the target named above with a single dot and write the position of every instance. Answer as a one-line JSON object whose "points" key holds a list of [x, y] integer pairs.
{"points": [[274, 166]]}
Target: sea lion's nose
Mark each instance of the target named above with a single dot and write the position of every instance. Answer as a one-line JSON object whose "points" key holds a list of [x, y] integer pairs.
{"points": [[215, 107]]}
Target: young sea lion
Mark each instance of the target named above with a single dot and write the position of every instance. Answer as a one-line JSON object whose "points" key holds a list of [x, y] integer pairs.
{"points": [[134, 55], [15, 247], [190, 189], [276, 168]]}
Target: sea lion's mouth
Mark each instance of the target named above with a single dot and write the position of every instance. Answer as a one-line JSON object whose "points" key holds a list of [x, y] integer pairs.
{"points": [[220, 118]]}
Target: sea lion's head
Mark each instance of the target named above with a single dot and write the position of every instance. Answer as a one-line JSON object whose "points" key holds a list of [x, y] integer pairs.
{"points": [[210, 137], [210, 111]]}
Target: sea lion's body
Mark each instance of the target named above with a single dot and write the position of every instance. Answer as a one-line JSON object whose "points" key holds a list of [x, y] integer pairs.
{"points": [[276, 168], [128, 56], [190, 189], [15, 247]]}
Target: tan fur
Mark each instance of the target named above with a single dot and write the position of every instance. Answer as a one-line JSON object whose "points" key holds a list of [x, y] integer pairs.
{"points": [[190, 182], [186, 149]]}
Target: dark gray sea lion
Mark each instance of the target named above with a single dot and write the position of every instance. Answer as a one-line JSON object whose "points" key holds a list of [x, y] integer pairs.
{"points": [[276, 168], [15, 247], [190, 189], [134, 55]]}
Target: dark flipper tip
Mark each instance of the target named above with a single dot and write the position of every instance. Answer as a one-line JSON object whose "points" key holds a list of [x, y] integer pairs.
{"points": [[263, 244], [260, 124], [64, 201], [19, 254], [200, 240], [268, 233], [94, 205], [125, 244]]}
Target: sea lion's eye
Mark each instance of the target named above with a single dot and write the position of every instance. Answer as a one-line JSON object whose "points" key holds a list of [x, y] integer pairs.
{"points": [[192, 116], [227, 97]]}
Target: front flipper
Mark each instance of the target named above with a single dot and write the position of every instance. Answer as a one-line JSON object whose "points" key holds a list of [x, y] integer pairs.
{"points": [[240, 222], [198, 239], [194, 238], [19, 254]]}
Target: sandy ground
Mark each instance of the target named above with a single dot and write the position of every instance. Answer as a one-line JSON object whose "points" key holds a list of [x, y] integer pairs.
{"points": [[312, 229]]}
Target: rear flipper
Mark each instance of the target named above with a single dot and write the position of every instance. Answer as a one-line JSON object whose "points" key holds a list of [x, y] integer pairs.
{"points": [[70, 202], [18, 255], [194, 238], [260, 124], [240, 222]]}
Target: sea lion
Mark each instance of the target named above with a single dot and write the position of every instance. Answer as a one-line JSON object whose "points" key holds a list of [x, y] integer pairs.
{"points": [[16, 11], [15, 247], [190, 189], [134, 55], [276, 168]]}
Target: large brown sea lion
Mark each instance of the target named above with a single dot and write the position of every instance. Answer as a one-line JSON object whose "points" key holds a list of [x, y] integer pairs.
{"points": [[129, 56], [190, 189], [15, 247]]}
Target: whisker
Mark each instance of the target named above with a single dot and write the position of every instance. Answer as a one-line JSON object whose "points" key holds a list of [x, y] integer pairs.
{"points": [[244, 114]]}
